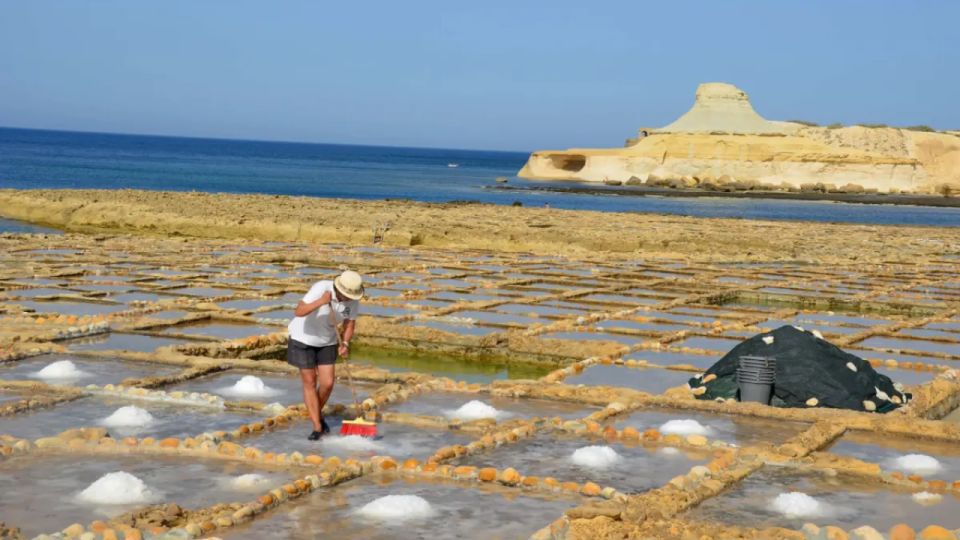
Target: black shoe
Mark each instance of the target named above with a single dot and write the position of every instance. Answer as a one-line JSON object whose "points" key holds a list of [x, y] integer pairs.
{"points": [[324, 428], [314, 435]]}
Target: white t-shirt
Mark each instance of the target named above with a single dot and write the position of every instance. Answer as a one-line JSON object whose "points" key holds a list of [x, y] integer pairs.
{"points": [[316, 328]]}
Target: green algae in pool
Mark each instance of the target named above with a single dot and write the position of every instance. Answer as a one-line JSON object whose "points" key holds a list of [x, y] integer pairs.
{"points": [[454, 367]]}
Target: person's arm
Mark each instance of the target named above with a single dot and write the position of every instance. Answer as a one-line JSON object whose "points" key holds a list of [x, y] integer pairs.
{"points": [[305, 308], [348, 328]]}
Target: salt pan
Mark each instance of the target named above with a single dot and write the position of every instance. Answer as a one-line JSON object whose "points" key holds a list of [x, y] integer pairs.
{"points": [[925, 498], [351, 443], [117, 488], [796, 505], [684, 427], [129, 416], [250, 386], [476, 410], [61, 369], [397, 508], [917, 463], [595, 457]]}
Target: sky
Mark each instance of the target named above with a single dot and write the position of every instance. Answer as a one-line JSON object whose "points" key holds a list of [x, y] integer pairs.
{"points": [[518, 75]]}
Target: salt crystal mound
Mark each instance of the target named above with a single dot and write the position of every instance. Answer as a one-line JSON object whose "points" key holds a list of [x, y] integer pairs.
{"points": [[61, 369], [397, 508], [916, 463], [796, 505], [249, 482], [117, 488], [595, 457], [477, 410], [351, 443], [668, 451], [249, 386], [684, 427], [925, 498], [129, 416]]}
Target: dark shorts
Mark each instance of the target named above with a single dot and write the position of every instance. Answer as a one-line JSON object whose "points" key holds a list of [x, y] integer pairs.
{"points": [[306, 356]]}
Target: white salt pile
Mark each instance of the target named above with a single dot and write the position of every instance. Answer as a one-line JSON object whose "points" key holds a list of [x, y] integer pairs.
{"points": [[669, 451], [684, 427], [250, 386], [796, 505], [129, 416], [397, 508], [917, 463], [595, 457], [925, 498], [351, 443], [117, 488], [61, 369], [249, 482], [476, 410]]}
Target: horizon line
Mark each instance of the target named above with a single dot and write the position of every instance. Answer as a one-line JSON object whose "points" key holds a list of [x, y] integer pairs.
{"points": [[238, 139]]}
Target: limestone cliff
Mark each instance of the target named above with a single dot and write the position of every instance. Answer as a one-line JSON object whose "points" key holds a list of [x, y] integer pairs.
{"points": [[721, 141]]}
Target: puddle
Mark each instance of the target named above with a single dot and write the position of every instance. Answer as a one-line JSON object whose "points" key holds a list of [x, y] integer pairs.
{"points": [[910, 345], [843, 501], [382, 311], [40, 498], [456, 296], [205, 292], [652, 380], [248, 305], [480, 371], [460, 511], [168, 420], [22, 227], [97, 287], [929, 333], [540, 309], [593, 336], [464, 329], [887, 450], [167, 315], [627, 324], [287, 389], [122, 342], [92, 370], [707, 343], [740, 430], [637, 469], [39, 292], [668, 358], [71, 308], [219, 330], [448, 404], [399, 441], [131, 297]]}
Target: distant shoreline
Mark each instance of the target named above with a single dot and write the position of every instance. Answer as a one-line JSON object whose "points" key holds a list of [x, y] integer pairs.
{"points": [[641, 191]]}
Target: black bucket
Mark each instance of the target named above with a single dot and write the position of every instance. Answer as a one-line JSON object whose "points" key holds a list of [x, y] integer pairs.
{"points": [[756, 376]]}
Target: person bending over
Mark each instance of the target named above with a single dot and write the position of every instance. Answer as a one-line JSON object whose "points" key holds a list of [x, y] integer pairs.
{"points": [[313, 339]]}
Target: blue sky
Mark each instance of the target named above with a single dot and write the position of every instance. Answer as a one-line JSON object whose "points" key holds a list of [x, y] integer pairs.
{"points": [[488, 75]]}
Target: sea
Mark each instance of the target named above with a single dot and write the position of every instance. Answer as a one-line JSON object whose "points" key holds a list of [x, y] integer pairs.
{"points": [[61, 159]]}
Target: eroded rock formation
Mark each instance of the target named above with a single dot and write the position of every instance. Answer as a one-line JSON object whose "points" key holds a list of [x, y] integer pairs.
{"points": [[721, 141]]}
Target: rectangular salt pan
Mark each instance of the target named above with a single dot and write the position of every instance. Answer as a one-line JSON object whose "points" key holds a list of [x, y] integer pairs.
{"points": [[37, 495], [88, 370], [740, 430], [449, 405], [281, 388], [459, 511], [123, 342], [903, 454], [652, 380]]}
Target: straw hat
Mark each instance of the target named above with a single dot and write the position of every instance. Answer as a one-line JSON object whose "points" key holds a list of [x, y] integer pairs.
{"points": [[349, 284]]}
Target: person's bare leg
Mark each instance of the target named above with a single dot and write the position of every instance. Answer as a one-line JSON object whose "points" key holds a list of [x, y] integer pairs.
{"points": [[309, 379], [325, 378]]}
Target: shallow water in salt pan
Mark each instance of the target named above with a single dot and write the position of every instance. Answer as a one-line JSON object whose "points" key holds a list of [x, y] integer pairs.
{"points": [[652, 380], [169, 420], [445, 403], [844, 501], [220, 330], [39, 497], [397, 440], [459, 511], [884, 450], [71, 308], [97, 370], [122, 342], [741, 430], [289, 389], [638, 468]]}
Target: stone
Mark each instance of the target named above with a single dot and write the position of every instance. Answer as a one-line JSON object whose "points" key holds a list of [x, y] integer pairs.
{"points": [[865, 533], [590, 489], [936, 532], [509, 477], [74, 530], [487, 474], [902, 531], [835, 533], [595, 509], [697, 440]]}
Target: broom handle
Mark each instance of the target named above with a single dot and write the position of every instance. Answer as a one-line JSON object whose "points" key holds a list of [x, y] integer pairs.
{"points": [[336, 330]]}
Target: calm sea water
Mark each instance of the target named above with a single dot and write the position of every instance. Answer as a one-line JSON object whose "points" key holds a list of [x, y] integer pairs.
{"points": [[57, 159]]}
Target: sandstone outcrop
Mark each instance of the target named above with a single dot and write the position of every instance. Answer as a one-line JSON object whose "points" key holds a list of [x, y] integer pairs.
{"points": [[722, 143]]}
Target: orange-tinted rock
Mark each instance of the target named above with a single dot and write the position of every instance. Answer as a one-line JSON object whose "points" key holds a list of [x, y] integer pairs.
{"points": [[388, 464], [313, 459], [936, 532], [651, 434], [170, 442], [464, 471], [572, 487], [591, 490], [531, 481], [510, 476], [487, 474], [265, 500], [902, 531]]}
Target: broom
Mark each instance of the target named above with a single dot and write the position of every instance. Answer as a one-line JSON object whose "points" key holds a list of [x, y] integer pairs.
{"points": [[359, 425]]}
